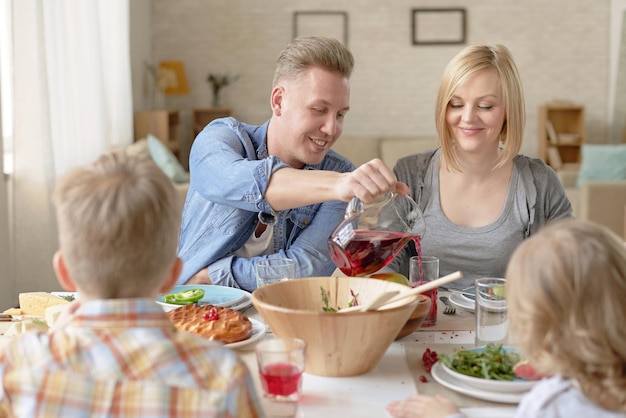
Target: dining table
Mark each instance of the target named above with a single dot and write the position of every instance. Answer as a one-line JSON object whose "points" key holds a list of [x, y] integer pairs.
{"points": [[400, 373]]}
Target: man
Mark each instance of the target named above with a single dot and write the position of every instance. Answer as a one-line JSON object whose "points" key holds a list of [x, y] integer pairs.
{"points": [[277, 190]]}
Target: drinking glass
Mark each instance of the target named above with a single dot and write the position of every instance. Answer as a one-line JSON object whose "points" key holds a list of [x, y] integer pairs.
{"points": [[272, 270], [281, 364], [424, 269], [492, 324], [371, 235]]}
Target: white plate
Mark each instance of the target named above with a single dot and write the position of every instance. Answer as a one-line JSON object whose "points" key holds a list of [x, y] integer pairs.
{"points": [[462, 302], [258, 331], [469, 294], [514, 386], [449, 381], [243, 304]]}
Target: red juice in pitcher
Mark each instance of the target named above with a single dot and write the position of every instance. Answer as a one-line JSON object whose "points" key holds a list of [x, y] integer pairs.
{"points": [[367, 251]]}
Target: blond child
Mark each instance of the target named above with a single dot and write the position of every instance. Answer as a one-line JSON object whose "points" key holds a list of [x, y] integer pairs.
{"points": [[116, 353], [566, 290]]}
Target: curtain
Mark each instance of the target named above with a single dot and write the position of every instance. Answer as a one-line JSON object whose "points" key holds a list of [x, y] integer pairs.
{"points": [[72, 102]]}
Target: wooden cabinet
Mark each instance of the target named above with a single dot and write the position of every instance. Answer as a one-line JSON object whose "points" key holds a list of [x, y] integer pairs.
{"points": [[561, 125], [163, 124], [202, 117]]}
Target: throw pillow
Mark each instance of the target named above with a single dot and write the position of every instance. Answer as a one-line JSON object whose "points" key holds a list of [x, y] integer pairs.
{"points": [[602, 162], [166, 160]]}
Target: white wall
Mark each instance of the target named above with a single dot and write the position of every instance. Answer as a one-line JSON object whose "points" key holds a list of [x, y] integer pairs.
{"points": [[561, 48]]}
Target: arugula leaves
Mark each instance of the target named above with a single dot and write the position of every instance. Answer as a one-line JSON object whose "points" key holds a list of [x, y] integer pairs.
{"points": [[327, 308], [493, 362]]}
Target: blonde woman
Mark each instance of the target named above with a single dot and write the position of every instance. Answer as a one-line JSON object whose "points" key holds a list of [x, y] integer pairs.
{"points": [[566, 288], [480, 198]]}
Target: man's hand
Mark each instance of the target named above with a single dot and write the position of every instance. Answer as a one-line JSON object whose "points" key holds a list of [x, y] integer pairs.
{"points": [[201, 277], [368, 181]]}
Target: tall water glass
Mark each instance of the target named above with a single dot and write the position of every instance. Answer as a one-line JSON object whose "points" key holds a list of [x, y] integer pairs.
{"points": [[492, 323]]}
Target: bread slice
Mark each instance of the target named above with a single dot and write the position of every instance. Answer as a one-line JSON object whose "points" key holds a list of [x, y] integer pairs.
{"points": [[35, 303]]}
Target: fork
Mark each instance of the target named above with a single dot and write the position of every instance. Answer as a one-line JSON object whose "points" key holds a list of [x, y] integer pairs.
{"points": [[450, 310]]}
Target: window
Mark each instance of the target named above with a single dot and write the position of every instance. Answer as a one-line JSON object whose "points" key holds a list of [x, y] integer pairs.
{"points": [[6, 84]]}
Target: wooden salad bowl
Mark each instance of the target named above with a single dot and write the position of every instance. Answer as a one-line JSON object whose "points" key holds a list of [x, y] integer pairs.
{"points": [[338, 344]]}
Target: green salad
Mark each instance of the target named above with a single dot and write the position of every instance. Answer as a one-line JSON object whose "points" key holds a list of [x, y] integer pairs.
{"points": [[491, 362]]}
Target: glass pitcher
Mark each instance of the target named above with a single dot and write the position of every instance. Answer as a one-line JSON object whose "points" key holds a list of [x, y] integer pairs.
{"points": [[371, 235]]}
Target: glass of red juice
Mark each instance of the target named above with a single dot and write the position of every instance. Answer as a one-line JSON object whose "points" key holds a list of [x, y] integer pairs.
{"points": [[281, 363], [423, 269]]}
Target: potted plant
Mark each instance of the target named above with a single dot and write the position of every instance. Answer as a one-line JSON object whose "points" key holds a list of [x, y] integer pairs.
{"points": [[219, 81]]}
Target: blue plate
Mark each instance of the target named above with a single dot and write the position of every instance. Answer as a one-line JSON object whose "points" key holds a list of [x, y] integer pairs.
{"points": [[213, 295]]}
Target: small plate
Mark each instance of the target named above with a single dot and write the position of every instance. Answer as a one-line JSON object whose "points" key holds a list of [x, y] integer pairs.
{"points": [[447, 380], [462, 302], [258, 330], [244, 304], [469, 293], [213, 294]]}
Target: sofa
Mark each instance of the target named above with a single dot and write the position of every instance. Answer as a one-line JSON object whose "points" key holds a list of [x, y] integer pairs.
{"points": [[596, 195], [597, 200], [360, 149], [596, 186], [600, 201]]}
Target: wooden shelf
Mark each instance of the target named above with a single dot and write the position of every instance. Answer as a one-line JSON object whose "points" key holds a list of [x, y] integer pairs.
{"points": [[561, 125], [202, 117], [163, 124]]}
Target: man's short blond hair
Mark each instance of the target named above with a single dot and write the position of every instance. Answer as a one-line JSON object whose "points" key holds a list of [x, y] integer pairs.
{"points": [[313, 51], [469, 61], [118, 222]]}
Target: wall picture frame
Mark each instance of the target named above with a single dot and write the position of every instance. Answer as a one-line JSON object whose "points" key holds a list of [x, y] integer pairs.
{"points": [[332, 24], [438, 26]]}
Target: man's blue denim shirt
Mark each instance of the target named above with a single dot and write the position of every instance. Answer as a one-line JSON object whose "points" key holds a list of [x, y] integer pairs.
{"points": [[230, 170]]}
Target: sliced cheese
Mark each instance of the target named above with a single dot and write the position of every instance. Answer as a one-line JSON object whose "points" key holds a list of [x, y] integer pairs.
{"points": [[52, 314], [13, 311], [35, 303]]}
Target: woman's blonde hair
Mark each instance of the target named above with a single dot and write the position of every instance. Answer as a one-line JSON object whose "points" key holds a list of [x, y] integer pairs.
{"points": [[469, 61], [566, 291], [313, 51], [118, 222]]}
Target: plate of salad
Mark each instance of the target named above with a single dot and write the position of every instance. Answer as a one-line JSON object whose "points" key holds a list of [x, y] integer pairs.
{"points": [[201, 294], [489, 368], [445, 379]]}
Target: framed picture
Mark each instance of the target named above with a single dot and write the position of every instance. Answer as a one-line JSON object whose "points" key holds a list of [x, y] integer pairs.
{"points": [[332, 24], [438, 26]]}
